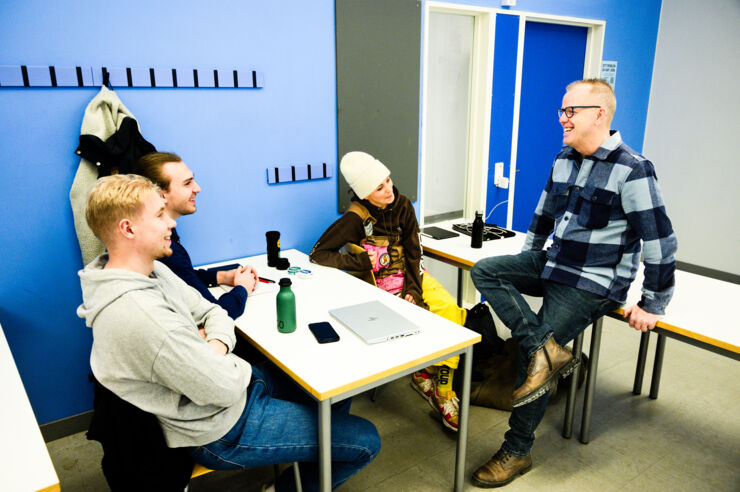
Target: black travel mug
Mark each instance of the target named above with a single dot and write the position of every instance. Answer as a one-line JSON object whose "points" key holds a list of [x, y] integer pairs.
{"points": [[273, 248]]}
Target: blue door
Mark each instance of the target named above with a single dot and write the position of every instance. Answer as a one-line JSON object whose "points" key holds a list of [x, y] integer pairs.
{"points": [[554, 56]]}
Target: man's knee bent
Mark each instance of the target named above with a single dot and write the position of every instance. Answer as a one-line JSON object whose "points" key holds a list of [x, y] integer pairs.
{"points": [[484, 269], [366, 438]]}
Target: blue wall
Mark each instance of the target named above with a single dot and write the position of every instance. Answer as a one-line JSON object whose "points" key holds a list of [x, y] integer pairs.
{"points": [[228, 137]]}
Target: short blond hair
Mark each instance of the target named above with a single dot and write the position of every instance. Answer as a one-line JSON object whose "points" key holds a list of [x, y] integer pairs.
{"points": [[114, 198], [603, 90]]}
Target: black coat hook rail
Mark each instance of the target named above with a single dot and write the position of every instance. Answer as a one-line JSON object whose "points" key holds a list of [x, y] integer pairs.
{"points": [[116, 77]]}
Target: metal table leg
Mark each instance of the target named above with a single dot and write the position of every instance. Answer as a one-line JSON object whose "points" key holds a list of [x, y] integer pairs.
{"points": [[657, 366], [459, 287], [325, 445], [462, 432], [297, 477], [591, 380], [641, 359], [571, 401], [374, 394]]}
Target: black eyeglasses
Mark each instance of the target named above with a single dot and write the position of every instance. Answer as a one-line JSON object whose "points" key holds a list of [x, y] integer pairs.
{"points": [[570, 110]]}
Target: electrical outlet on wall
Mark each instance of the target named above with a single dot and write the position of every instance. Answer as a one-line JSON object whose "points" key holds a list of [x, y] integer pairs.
{"points": [[498, 176], [508, 3]]}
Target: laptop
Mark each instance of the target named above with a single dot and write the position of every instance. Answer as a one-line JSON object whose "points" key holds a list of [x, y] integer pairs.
{"points": [[374, 322]]}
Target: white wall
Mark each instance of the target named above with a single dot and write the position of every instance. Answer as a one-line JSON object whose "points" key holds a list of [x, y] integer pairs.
{"points": [[693, 128]]}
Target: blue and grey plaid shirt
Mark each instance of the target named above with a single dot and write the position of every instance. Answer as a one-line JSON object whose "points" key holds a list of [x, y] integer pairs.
{"points": [[599, 208]]}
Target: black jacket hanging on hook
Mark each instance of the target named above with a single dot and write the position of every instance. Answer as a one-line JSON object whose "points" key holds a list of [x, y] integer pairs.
{"points": [[117, 154], [109, 142]]}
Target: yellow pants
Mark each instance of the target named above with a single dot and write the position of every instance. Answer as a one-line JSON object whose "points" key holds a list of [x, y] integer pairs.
{"points": [[440, 302]]}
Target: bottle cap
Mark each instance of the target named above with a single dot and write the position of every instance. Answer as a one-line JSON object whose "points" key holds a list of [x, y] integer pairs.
{"points": [[284, 282], [293, 270], [305, 273]]}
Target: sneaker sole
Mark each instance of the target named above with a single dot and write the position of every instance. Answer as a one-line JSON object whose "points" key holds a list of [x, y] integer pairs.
{"points": [[563, 371], [493, 485], [447, 424], [432, 404]]}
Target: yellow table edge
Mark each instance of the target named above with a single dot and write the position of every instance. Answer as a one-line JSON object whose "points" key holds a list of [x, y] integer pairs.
{"points": [[51, 488], [459, 262], [366, 380]]}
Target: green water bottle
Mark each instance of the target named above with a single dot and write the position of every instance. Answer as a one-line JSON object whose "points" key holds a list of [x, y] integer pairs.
{"points": [[285, 302]]}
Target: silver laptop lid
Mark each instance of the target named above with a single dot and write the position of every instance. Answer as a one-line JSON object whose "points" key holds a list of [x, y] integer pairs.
{"points": [[374, 322]]}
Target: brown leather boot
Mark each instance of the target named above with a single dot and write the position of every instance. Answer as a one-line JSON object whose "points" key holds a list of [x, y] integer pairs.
{"points": [[545, 364], [501, 469]]}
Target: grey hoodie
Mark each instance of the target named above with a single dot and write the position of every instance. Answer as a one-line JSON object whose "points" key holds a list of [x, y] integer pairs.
{"points": [[147, 350]]}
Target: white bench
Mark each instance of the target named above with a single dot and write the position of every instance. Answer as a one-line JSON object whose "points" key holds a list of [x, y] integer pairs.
{"points": [[701, 313]]}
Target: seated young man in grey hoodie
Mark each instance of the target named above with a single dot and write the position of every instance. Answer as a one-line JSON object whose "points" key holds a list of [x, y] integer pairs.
{"points": [[158, 344]]}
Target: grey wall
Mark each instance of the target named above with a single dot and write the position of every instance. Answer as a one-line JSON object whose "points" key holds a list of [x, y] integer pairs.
{"points": [[378, 47], [693, 131]]}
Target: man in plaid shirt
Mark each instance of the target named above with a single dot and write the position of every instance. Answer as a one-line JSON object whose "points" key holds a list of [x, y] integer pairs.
{"points": [[600, 202]]}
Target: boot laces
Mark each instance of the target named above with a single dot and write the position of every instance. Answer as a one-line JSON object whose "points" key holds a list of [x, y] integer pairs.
{"points": [[502, 456]]}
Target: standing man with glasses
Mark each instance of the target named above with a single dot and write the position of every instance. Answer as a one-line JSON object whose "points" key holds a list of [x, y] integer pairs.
{"points": [[603, 207]]}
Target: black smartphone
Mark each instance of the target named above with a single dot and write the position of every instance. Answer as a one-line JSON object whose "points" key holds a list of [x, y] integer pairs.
{"points": [[323, 332]]}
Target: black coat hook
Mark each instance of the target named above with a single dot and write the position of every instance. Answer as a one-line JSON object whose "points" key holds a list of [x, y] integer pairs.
{"points": [[106, 78]]}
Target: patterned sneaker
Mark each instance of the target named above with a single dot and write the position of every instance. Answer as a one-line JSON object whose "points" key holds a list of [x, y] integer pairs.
{"points": [[448, 407], [423, 383]]}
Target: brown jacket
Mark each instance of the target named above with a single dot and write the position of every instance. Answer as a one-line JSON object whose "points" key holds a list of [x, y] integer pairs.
{"points": [[396, 226]]}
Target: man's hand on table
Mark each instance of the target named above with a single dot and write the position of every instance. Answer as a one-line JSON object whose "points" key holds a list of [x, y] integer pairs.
{"points": [[238, 276], [640, 319], [226, 277], [246, 277]]}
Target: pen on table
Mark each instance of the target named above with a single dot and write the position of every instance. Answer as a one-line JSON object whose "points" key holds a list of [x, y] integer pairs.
{"points": [[266, 280]]}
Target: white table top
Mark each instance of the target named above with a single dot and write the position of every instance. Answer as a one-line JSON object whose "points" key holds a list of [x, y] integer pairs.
{"points": [[702, 308], [24, 460], [457, 250], [332, 369]]}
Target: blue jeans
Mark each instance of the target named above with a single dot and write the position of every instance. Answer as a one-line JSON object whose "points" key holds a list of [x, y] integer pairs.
{"points": [[279, 424], [565, 313]]}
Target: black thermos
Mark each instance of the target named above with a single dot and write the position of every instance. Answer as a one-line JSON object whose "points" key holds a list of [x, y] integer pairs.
{"points": [[273, 248], [476, 235]]}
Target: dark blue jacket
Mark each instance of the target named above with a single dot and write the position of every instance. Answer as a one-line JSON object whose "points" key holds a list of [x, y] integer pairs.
{"points": [[233, 302]]}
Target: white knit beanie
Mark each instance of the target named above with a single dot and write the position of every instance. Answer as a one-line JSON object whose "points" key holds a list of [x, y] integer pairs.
{"points": [[363, 172]]}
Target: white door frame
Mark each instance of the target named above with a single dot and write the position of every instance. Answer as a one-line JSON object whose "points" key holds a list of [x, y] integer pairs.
{"points": [[481, 86], [481, 79]]}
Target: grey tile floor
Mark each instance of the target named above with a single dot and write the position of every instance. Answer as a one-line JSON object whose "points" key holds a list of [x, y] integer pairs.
{"points": [[688, 439]]}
